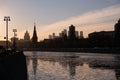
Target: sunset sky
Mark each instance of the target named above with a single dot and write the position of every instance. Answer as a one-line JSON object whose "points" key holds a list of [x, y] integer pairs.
{"points": [[55, 15]]}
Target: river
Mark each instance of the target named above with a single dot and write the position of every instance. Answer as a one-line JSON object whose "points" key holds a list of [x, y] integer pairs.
{"points": [[72, 66]]}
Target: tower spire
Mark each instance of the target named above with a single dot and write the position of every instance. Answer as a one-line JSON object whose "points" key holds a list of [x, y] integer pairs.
{"points": [[34, 38], [34, 24]]}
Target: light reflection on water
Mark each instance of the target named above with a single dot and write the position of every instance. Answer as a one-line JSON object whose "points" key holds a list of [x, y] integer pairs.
{"points": [[72, 66]]}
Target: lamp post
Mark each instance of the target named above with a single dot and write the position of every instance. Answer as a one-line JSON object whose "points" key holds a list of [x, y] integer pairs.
{"points": [[6, 18]]}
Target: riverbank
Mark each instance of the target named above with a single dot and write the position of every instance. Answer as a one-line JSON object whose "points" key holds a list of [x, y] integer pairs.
{"points": [[82, 50]]}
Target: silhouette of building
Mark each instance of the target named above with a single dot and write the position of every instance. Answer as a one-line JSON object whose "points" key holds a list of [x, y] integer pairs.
{"points": [[72, 33], [102, 38], [27, 36], [34, 38], [102, 35], [76, 34], [63, 34], [53, 36], [117, 32], [3, 43], [16, 39], [74, 39], [81, 35], [50, 36]]}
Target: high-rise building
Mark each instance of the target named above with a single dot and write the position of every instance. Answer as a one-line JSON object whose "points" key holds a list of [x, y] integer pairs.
{"points": [[27, 36], [76, 34], [50, 36], [34, 38], [81, 35], [53, 36], [63, 33], [117, 32], [71, 33]]}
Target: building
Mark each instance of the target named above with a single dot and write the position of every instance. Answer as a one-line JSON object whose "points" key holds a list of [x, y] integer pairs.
{"points": [[117, 32], [50, 36], [27, 36], [53, 36], [76, 34], [102, 35], [102, 39], [3, 43], [72, 33], [34, 38], [63, 34], [81, 35]]}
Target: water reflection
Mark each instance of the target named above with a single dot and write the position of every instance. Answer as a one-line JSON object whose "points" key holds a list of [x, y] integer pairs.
{"points": [[117, 67], [34, 65], [69, 66]]}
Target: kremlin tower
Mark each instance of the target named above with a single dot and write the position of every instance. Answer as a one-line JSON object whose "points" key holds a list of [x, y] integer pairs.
{"points": [[34, 38]]}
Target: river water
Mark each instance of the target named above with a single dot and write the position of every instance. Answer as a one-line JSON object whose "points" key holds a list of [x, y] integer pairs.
{"points": [[72, 66]]}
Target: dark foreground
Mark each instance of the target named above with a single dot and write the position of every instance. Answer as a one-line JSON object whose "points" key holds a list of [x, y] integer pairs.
{"points": [[13, 66]]}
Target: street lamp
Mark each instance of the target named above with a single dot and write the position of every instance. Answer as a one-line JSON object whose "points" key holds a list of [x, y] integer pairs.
{"points": [[7, 18]]}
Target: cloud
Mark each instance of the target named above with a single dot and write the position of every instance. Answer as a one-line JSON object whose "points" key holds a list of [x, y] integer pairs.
{"points": [[103, 19], [97, 20], [113, 1]]}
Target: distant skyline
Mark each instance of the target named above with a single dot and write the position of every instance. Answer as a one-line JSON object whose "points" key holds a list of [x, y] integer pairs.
{"points": [[54, 16]]}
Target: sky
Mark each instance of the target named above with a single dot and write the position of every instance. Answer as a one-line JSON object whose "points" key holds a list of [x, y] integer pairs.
{"points": [[53, 16]]}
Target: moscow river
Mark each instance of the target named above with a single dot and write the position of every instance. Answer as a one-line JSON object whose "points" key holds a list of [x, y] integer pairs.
{"points": [[72, 66]]}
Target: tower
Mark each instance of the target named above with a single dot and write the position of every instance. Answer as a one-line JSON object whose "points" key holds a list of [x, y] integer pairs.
{"points": [[27, 36], [64, 33], [81, 35], [76, 34], [71, 32], [34, 38]]}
